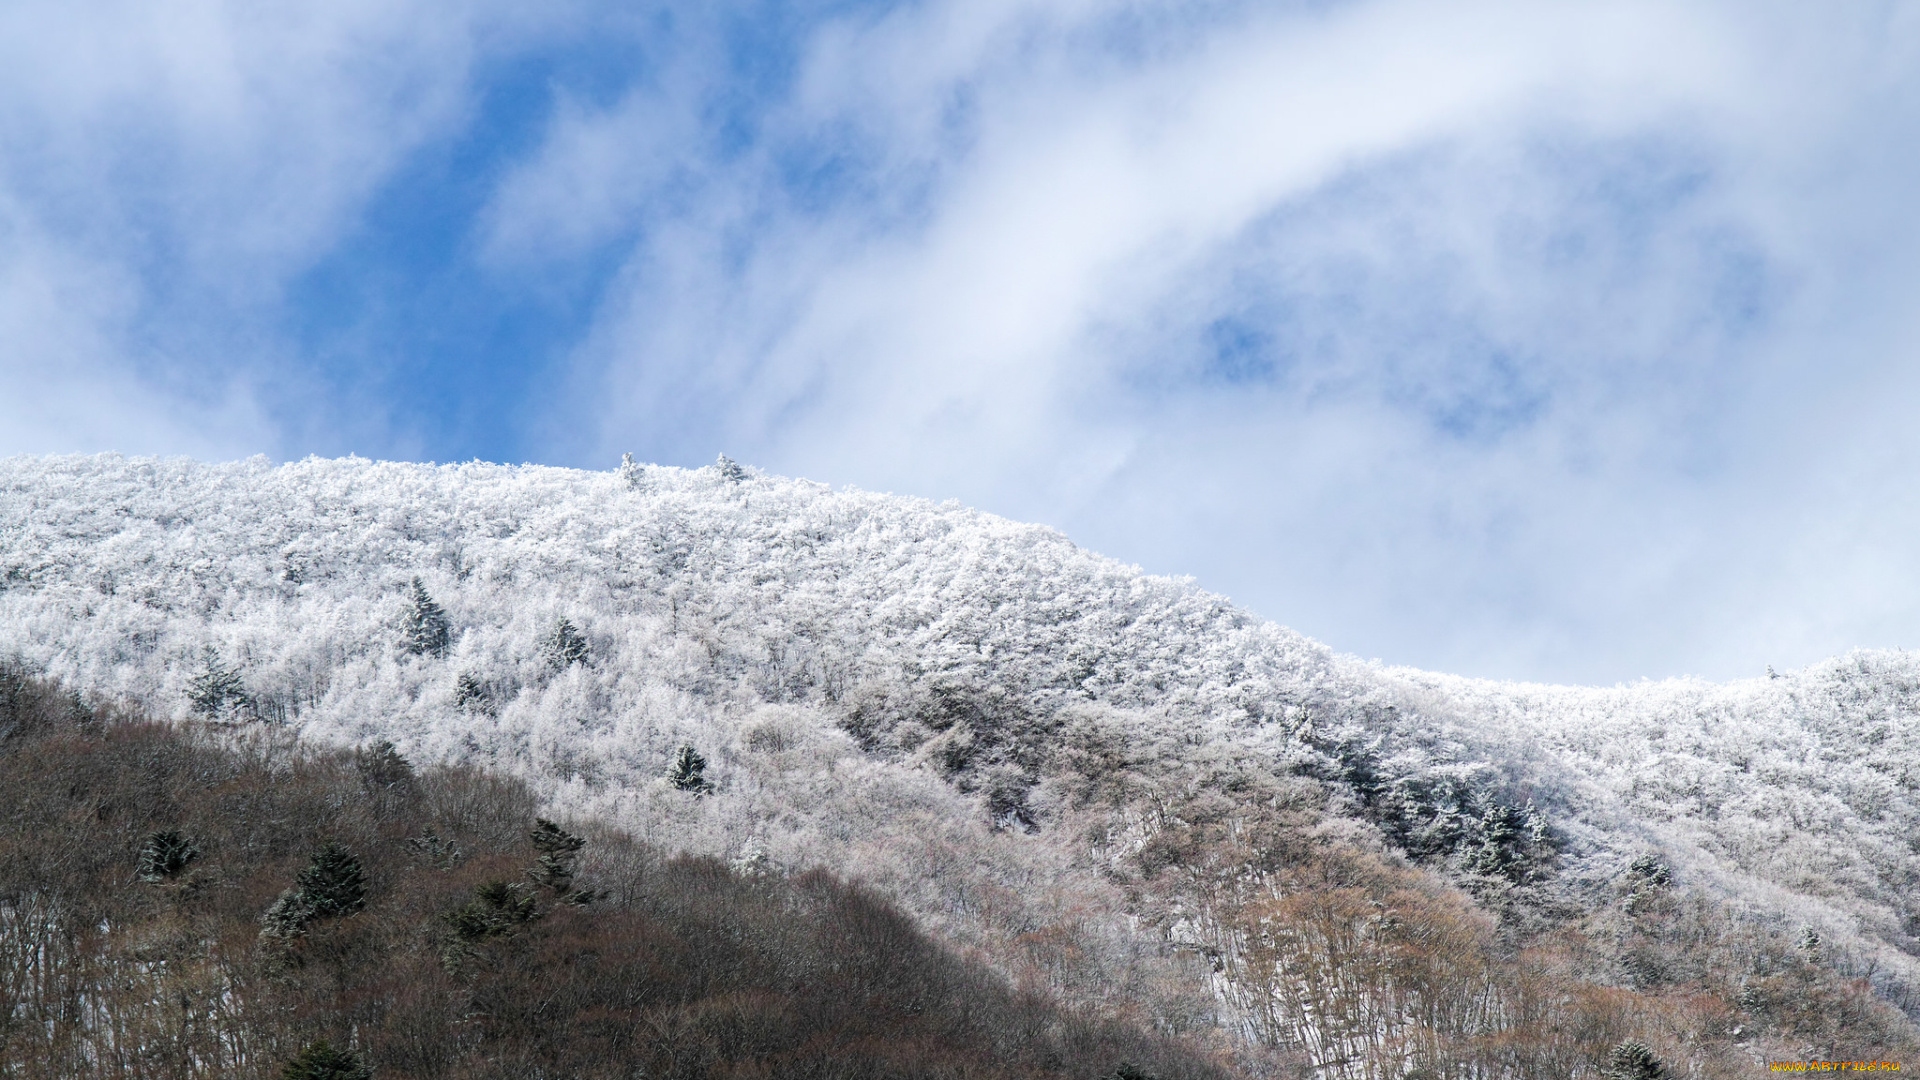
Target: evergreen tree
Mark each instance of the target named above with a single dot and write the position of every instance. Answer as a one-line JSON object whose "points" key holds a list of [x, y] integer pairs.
{"points": [[320, 1061], [470, 694], [1650, 873], [426, 629], [382, 766], [441, 853], [559, 849], [689, 772], [217, 690], [333, 884], [730, 470], [286, 918], [1634, 1061], [165, 856], [566, 646], [497, 910], [631, 471]]}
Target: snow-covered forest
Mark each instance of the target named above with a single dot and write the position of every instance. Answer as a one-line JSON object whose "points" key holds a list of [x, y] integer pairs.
{"points": [[1009, 735]]}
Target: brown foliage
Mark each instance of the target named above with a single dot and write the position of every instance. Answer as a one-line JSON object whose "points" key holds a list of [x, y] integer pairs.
{"points": [[679, 969]]}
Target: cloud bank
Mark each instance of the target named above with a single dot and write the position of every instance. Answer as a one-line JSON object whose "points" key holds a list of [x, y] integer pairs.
{"points": [[1565, 342]]}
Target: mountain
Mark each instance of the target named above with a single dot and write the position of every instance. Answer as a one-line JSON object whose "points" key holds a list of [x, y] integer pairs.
{"points": [[1115, 786]]}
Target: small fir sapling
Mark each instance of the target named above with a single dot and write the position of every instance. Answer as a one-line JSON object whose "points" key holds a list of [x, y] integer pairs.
{"points": [[559, 849], [286, 918], [217, 690], [426, 631], [470, 694], [497, 909], [383, 766], [333, 884], [165, 856], [565, 646], [689, 771], [1634, 1060], [321, 1061]]}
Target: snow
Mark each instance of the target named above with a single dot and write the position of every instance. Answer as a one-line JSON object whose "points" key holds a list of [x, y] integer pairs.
{"points": [[719, 603]]}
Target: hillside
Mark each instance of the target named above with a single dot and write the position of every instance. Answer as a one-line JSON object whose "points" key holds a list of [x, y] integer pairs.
{"points": [[179, 902], [1101, 781]]}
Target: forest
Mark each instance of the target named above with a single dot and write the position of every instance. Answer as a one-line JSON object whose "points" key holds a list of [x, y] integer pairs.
{"points": [[1181, 838], [176, 904]]}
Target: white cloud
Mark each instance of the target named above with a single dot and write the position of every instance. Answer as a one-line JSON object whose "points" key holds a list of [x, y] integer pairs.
{"points": [[166, 170], [1568, 311]]}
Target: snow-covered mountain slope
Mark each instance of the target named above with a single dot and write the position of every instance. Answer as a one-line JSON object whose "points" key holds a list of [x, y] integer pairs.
{"points": [[756, 618]]}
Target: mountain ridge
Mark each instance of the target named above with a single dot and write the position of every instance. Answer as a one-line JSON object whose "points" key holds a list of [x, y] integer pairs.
{"points": [[869, 671]]}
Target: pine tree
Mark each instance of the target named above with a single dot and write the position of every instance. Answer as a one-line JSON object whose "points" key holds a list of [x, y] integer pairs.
{"points": [[566, 646], [1650, 873], [559, 850], [382, 766], [497, 910], [217, 690], [730, 470], [165, 856], [1634, 1061], [333, 884], [689, 772], [631, 471], [470, 694], [426, 629], [320, 1061], [286, 918]]}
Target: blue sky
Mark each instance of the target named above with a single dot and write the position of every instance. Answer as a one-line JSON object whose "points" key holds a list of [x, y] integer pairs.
{"points": [[1570, 342]]}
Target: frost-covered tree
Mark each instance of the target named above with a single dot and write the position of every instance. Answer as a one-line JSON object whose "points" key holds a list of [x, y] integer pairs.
{"points": [[321, 1061], [217, 691], [730, 470], [425, 630], [689, 771], [565, 646], [333, 884], [470, 694], [286, 918], [631, 471], [165, 856]]}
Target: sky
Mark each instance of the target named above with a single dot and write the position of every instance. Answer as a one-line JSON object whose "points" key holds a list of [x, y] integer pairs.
{"points": [[1571, 342]]}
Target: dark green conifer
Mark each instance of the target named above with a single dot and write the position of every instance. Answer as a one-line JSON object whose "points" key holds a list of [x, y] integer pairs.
{"points": [[470, 694], [566, 646], [165, 856], [217, 690], [559, 849], [1634, 1061], [383, 766], [286, 919], [333, 884], [689, 772], [497, 910], [426, 629], [320, 1061]]}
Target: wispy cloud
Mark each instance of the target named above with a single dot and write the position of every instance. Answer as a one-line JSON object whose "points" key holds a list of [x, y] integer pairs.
{"points": [[1440, 334], [1566, 341]]}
